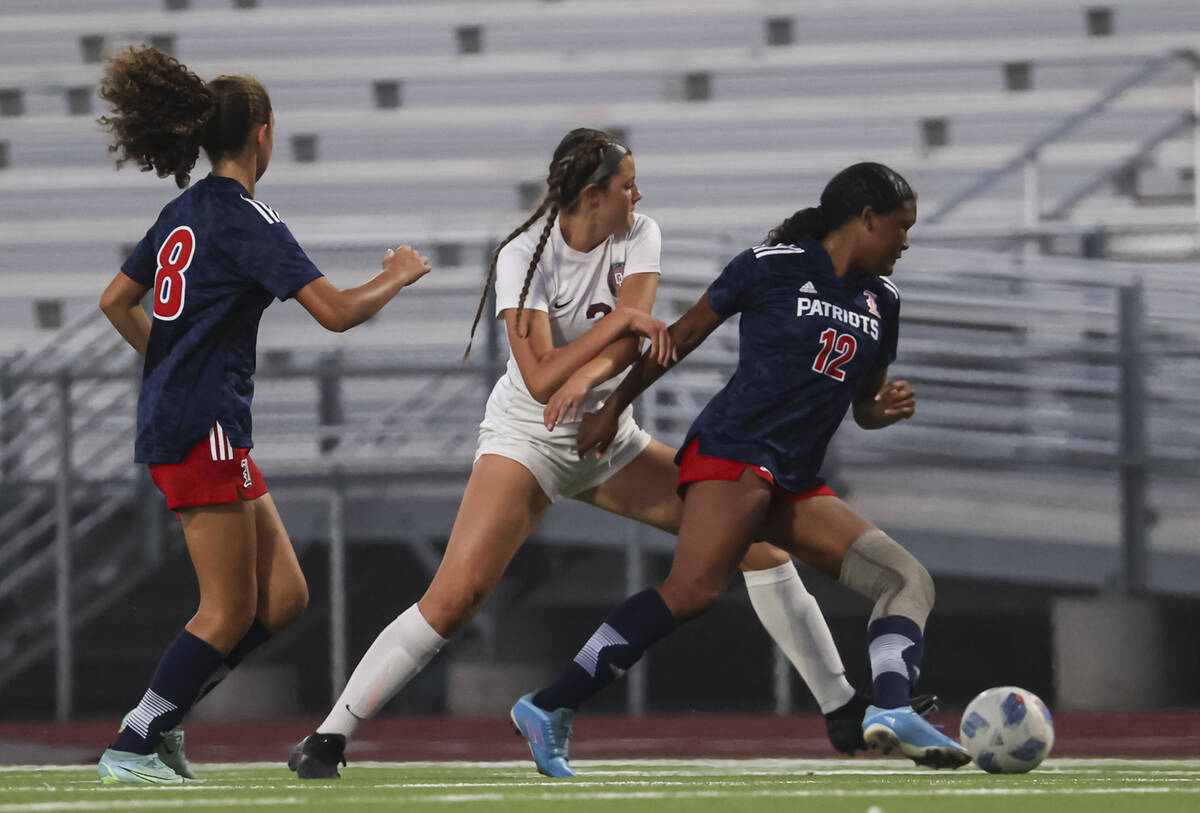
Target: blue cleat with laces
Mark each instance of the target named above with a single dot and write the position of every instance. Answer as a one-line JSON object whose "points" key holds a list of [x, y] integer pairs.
{"points": [[903, 731], [548, 734]]}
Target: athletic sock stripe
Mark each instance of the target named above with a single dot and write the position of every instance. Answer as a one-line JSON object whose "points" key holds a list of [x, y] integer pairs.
{"points": [[589, 656], [887, 654], [151, 707]]}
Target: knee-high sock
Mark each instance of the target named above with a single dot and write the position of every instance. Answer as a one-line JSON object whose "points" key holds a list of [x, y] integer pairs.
{"points": [[896, 646], [182, 670], [791, 616], [258, 634], [612, 650], [398, 653]]}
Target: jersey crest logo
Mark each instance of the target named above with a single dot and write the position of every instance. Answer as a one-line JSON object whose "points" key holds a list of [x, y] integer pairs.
{"points": [[808, 288], [872, 304], [616, 275]]}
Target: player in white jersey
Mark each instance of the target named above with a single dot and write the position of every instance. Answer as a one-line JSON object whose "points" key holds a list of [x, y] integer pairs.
{"points": [[574, 289], [575, 297]]}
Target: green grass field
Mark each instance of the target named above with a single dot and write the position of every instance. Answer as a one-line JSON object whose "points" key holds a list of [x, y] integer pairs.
{"points": [[761, 786]]}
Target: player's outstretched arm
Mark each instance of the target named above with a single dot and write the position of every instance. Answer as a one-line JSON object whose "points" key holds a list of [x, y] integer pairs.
{"points": [[340, 310], [122, 304], [881, 403], [686, 334], [638, 291], [546, 367]]}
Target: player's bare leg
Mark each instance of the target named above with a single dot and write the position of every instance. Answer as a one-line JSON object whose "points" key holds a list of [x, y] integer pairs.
{"points": [[222, 544], [828, 535], [501, 506], [645, 491], [282, 589]]}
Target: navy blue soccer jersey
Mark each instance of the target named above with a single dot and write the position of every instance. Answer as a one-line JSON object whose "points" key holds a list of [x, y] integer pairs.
{"points": [[214, 260], [807, 338]]}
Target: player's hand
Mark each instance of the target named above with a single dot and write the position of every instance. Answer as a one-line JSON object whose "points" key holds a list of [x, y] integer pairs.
{"points": [[406, 264], [563, 405], [895, 402], [662, 349], [596, 431]]}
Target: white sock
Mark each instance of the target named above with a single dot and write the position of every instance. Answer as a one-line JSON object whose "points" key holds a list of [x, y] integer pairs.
{"points": [[794, 620], [400, 651]]}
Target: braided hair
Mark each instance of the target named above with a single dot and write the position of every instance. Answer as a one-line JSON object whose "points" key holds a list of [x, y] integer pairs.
{"points": [[163, 113], [844, 197], [578, 158]]}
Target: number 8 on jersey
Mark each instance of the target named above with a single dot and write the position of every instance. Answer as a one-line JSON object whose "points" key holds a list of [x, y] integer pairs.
{"points": [[169, 285]]}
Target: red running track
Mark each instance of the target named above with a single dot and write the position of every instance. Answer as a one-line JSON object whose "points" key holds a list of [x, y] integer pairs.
{"points": [[1079, 734]]}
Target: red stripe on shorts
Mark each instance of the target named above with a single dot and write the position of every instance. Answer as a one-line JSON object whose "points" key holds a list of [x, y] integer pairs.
{"points": [[695, 467]]}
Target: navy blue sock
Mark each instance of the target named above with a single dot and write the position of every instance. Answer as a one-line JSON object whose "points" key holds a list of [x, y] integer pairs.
{"points": [[896, 645], [181, 672], [257, 635], [616, 646]]}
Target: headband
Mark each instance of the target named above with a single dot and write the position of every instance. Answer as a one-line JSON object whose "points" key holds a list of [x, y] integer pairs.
{"points": [[613, 154]]}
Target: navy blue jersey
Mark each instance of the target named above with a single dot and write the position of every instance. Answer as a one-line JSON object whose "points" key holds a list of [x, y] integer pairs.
{"points": [[214, 259], [807, 338]]}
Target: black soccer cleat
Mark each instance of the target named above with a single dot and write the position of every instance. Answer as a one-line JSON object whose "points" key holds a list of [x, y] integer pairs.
{"points": [[317, 756], [925, 704], [844, 724]]}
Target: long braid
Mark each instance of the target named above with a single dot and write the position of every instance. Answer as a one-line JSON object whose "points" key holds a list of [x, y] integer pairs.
{"points": [[533, 261], [579, 152], [541, 209]]}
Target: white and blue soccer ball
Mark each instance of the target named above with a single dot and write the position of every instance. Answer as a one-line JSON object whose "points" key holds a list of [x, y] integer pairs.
{"points": [[1007, 730]]}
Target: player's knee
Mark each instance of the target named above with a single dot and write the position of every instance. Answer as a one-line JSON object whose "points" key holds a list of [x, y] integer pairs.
{"points": [[878, 567], [448, 610], [288, 607], [222, 627], [688, 598]]}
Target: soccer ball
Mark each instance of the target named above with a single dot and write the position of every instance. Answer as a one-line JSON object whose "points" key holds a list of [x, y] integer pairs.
{"points": [[1007, 730]]}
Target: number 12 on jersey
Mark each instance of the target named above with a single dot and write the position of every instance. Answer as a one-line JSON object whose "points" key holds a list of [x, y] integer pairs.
{"points": [[836, 350], [174, 258]]}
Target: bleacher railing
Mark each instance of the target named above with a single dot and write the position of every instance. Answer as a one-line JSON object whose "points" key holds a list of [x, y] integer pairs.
{"points": [[1027, 156]]}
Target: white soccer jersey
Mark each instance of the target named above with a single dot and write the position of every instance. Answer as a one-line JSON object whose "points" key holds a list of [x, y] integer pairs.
{"points": [[575, 289]]}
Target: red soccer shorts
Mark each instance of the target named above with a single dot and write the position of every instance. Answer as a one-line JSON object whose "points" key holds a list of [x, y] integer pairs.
{"points": [[214, 472], [695, 467]]}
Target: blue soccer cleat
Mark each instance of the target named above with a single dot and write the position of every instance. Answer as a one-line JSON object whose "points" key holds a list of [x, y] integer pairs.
{"points": [[904, 731], [548, 734], [128, 768]]}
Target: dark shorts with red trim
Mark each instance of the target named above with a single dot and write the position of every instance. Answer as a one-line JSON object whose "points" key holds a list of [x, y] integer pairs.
{"points": [[213, 473], [695, 467]]}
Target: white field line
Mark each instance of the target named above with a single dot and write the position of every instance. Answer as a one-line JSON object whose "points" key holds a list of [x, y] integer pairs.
{"points": [[460, 798], [126, 804], [651, 767]]}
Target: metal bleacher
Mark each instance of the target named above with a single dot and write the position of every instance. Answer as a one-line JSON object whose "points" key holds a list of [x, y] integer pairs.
{"points": [[729, 129], [432, 123]]}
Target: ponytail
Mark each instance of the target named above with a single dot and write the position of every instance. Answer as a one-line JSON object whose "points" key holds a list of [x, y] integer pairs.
{"points": [[163, 113], [808, 222]]}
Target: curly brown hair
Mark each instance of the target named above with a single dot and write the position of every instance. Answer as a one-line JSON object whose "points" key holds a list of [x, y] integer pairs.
{"points": [[576, 158], [163, 113]]}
